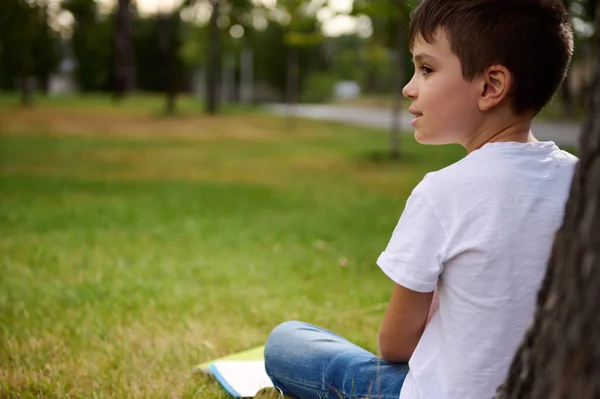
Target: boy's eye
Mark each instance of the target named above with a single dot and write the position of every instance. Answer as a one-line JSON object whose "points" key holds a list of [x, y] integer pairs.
{"points": [[425, 70]]}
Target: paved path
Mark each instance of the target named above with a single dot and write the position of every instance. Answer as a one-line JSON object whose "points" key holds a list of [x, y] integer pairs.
{"points": [[562, 133]]}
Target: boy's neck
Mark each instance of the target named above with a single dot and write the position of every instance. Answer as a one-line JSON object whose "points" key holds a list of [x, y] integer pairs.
{"points": [[515, 129]]}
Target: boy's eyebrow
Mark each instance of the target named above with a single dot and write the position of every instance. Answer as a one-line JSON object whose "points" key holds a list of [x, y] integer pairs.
{"points": [[423, 57]]}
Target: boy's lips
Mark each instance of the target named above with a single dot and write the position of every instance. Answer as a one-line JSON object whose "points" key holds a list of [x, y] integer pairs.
{"points": [[417, 115]]}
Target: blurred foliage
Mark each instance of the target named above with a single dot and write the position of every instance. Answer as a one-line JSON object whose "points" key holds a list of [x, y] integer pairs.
{"points": [[389, 20], [582, 14], [269, 59], [318, 87], [151, 76], [302, 28], [286, 35], [347, 61], [91, 44], [28, 46]]}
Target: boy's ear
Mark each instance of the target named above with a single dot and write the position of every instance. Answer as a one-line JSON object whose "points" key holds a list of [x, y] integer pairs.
{"points": [[496, 83]]}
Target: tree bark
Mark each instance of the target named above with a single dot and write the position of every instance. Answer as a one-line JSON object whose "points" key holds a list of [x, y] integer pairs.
{"points": [[214, 56], [25, 16], [25, 84], [293, 75], [397, 95], [123, 42], [166, 31], [560, 355], [568, 106], [247, 80]]}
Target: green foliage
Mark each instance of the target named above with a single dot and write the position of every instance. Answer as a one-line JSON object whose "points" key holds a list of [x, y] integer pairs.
{"points": [[239, 13], [28, 46], [270, 50], [303, 29], [47, 48], [150, 59], [346, 61], [93, 48], [390, 20], [582, 14], [386, 16], [583, 9], [269, 56], [299, 39], [318, 87], [194, 48], [91, 44]]}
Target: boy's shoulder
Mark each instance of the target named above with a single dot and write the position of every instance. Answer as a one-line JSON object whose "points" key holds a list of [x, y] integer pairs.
{"points": [[451, 177], [486, 168]]}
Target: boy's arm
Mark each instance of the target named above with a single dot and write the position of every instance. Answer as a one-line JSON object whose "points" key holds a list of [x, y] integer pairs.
{"points": [[403, 324]]}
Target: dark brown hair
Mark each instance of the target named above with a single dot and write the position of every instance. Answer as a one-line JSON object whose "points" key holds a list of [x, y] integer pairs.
{"points": [[532, 38]]}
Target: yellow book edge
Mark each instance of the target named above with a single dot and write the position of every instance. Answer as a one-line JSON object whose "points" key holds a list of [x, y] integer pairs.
{"points": [[257, 353]]}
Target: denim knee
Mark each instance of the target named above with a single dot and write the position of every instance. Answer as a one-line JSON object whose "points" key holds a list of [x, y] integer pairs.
{"points": [[280, 337]]}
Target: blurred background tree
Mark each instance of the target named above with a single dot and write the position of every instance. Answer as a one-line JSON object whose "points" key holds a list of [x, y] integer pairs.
{"points": [[575, 89], [232, 51], [390, 21], [29, 48], [91, 44], [123, 50]]}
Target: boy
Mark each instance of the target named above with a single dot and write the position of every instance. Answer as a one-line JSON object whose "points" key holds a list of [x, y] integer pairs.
{"points": [[478, 232]]}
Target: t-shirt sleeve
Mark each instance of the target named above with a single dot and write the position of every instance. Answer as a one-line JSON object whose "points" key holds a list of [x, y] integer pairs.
{"points": [[413, 257]]}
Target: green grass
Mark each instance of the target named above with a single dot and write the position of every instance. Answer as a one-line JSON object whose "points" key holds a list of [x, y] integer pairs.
{"points": [[134, 247], [145, 102]]}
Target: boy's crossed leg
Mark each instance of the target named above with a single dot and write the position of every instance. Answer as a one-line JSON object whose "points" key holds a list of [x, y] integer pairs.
{"points": [[306, 361]]}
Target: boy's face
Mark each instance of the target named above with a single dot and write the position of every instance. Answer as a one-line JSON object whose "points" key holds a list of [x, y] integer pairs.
{"points": [[445, 105]]}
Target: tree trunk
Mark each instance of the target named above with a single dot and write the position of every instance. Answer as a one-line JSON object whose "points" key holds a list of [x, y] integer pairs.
{"points": [[247, 80], [228, 79], [124, 68], [292, 83], [25, 68], [568, 106], [397, 95], [166, 24], [25, 84], [44, 84], [560, 355], [369, 78], [214, 54]]}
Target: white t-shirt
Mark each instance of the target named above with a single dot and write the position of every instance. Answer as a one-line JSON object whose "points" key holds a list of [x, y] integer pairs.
{"points": [[480, 230]]}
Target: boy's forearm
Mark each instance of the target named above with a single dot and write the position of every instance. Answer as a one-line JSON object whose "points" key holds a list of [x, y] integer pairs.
{"points": [[403, 323]]}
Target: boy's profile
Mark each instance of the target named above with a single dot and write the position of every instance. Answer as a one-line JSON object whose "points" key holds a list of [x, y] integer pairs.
{"points": [[475, 236]]}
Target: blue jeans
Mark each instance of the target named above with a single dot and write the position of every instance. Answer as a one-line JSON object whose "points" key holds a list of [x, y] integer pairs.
{"points": [[306, 362]]}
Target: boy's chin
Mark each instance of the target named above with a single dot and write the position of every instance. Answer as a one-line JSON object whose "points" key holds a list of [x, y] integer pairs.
{"points": [[430, 139], [425, 138]]}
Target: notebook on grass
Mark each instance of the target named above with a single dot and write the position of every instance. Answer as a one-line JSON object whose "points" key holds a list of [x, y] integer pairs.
{"points": [[241, 374]]}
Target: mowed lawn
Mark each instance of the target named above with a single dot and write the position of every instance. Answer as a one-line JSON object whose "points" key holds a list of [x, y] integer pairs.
{"points": [[134, 246]]}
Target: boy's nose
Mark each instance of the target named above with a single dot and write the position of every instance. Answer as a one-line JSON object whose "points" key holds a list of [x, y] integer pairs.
{"points": [[409, 91]]}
